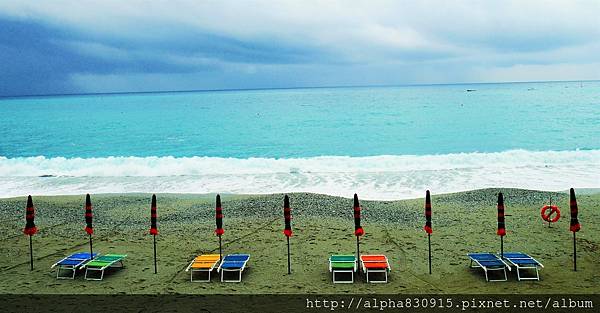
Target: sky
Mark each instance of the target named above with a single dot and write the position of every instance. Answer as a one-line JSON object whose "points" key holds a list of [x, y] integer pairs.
{"points": [[57, 47]]}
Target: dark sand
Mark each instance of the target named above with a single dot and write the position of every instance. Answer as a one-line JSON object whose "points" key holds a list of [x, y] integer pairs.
{"points": [[323, 225]]}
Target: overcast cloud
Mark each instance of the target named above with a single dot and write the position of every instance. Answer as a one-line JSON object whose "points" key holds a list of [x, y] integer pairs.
{"points": [[111, 46]]}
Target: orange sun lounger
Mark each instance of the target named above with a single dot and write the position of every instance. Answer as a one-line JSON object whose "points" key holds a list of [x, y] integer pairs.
{"points": [[376, 263], [203, 263]]}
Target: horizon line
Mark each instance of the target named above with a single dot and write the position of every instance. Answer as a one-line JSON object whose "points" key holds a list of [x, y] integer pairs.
{"points": [[284, 88]]}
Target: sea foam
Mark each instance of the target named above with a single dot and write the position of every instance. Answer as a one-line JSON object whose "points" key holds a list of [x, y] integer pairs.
{"points": [[373, 177]]}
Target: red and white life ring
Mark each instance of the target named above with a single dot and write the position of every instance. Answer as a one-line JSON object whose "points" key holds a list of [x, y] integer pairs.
{"points": [[547, 211]]}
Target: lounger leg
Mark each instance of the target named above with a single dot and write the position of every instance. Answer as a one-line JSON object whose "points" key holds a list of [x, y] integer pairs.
{"points": [[486, 274], [367, 275]]}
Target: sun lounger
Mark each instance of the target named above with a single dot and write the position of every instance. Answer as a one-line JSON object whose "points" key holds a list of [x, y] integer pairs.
{"points": [[488, 262], [233, 263], [522, 261], [203, 263], [342, 264], [71, 263], [375, 264], [101, 263]]}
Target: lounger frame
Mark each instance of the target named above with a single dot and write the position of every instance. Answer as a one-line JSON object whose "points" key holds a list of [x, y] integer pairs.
{"points": [[333, 271], [89, 270], [240, 270], [530, 266], [486, 268], [208, 270], [378, 270], [70, 268]]}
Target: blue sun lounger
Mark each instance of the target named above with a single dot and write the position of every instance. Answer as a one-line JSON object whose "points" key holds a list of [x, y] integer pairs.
{"points": [[488, 262], [233, 263], [71, 263], [522, 261]]}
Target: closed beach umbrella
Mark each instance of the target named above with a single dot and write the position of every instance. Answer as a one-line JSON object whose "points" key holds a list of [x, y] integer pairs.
{"points": [[501, 224], [574, 226], [287, 216], [358, 230], [89, 228], [153, 227], [427, 227], [30, 228], [219, 221]]}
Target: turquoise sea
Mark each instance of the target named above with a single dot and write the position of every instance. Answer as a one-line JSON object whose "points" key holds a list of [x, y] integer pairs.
{"points": [[386, 142]]}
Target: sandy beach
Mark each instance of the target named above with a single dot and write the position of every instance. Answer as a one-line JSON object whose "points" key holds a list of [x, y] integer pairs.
{"points": [[462, 222]]}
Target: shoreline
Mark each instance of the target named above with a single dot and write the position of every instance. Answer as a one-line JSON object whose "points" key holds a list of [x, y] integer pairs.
{"points": [[462, 223]]}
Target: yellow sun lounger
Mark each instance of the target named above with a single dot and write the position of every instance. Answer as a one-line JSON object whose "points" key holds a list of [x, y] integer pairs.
{"points": [[203, 263]]}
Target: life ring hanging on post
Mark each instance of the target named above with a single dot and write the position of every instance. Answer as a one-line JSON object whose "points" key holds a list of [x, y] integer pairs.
{"points": [[547, 211]]}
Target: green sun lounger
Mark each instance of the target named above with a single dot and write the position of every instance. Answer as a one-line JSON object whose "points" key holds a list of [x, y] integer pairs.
{"points": [[101, 263], [342, 264]]}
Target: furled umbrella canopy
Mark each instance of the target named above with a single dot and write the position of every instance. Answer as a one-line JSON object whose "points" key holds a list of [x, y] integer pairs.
{"points": [[30, 228], [427, 227], [501, 224], [287, 215], [89, 228], [358, 230], [575, 227], [219, 217], [153, 227]]}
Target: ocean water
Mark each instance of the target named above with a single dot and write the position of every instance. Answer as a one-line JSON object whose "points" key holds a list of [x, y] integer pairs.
{"points": [[381, 142]]}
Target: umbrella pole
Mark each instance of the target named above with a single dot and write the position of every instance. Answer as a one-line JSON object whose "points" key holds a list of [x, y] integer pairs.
{"points": [[155, 269], [502, 246], [289, 260], [574, 253], [429, 239], [358, 250], [220, 250], [31, 252], [91, 251]]}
